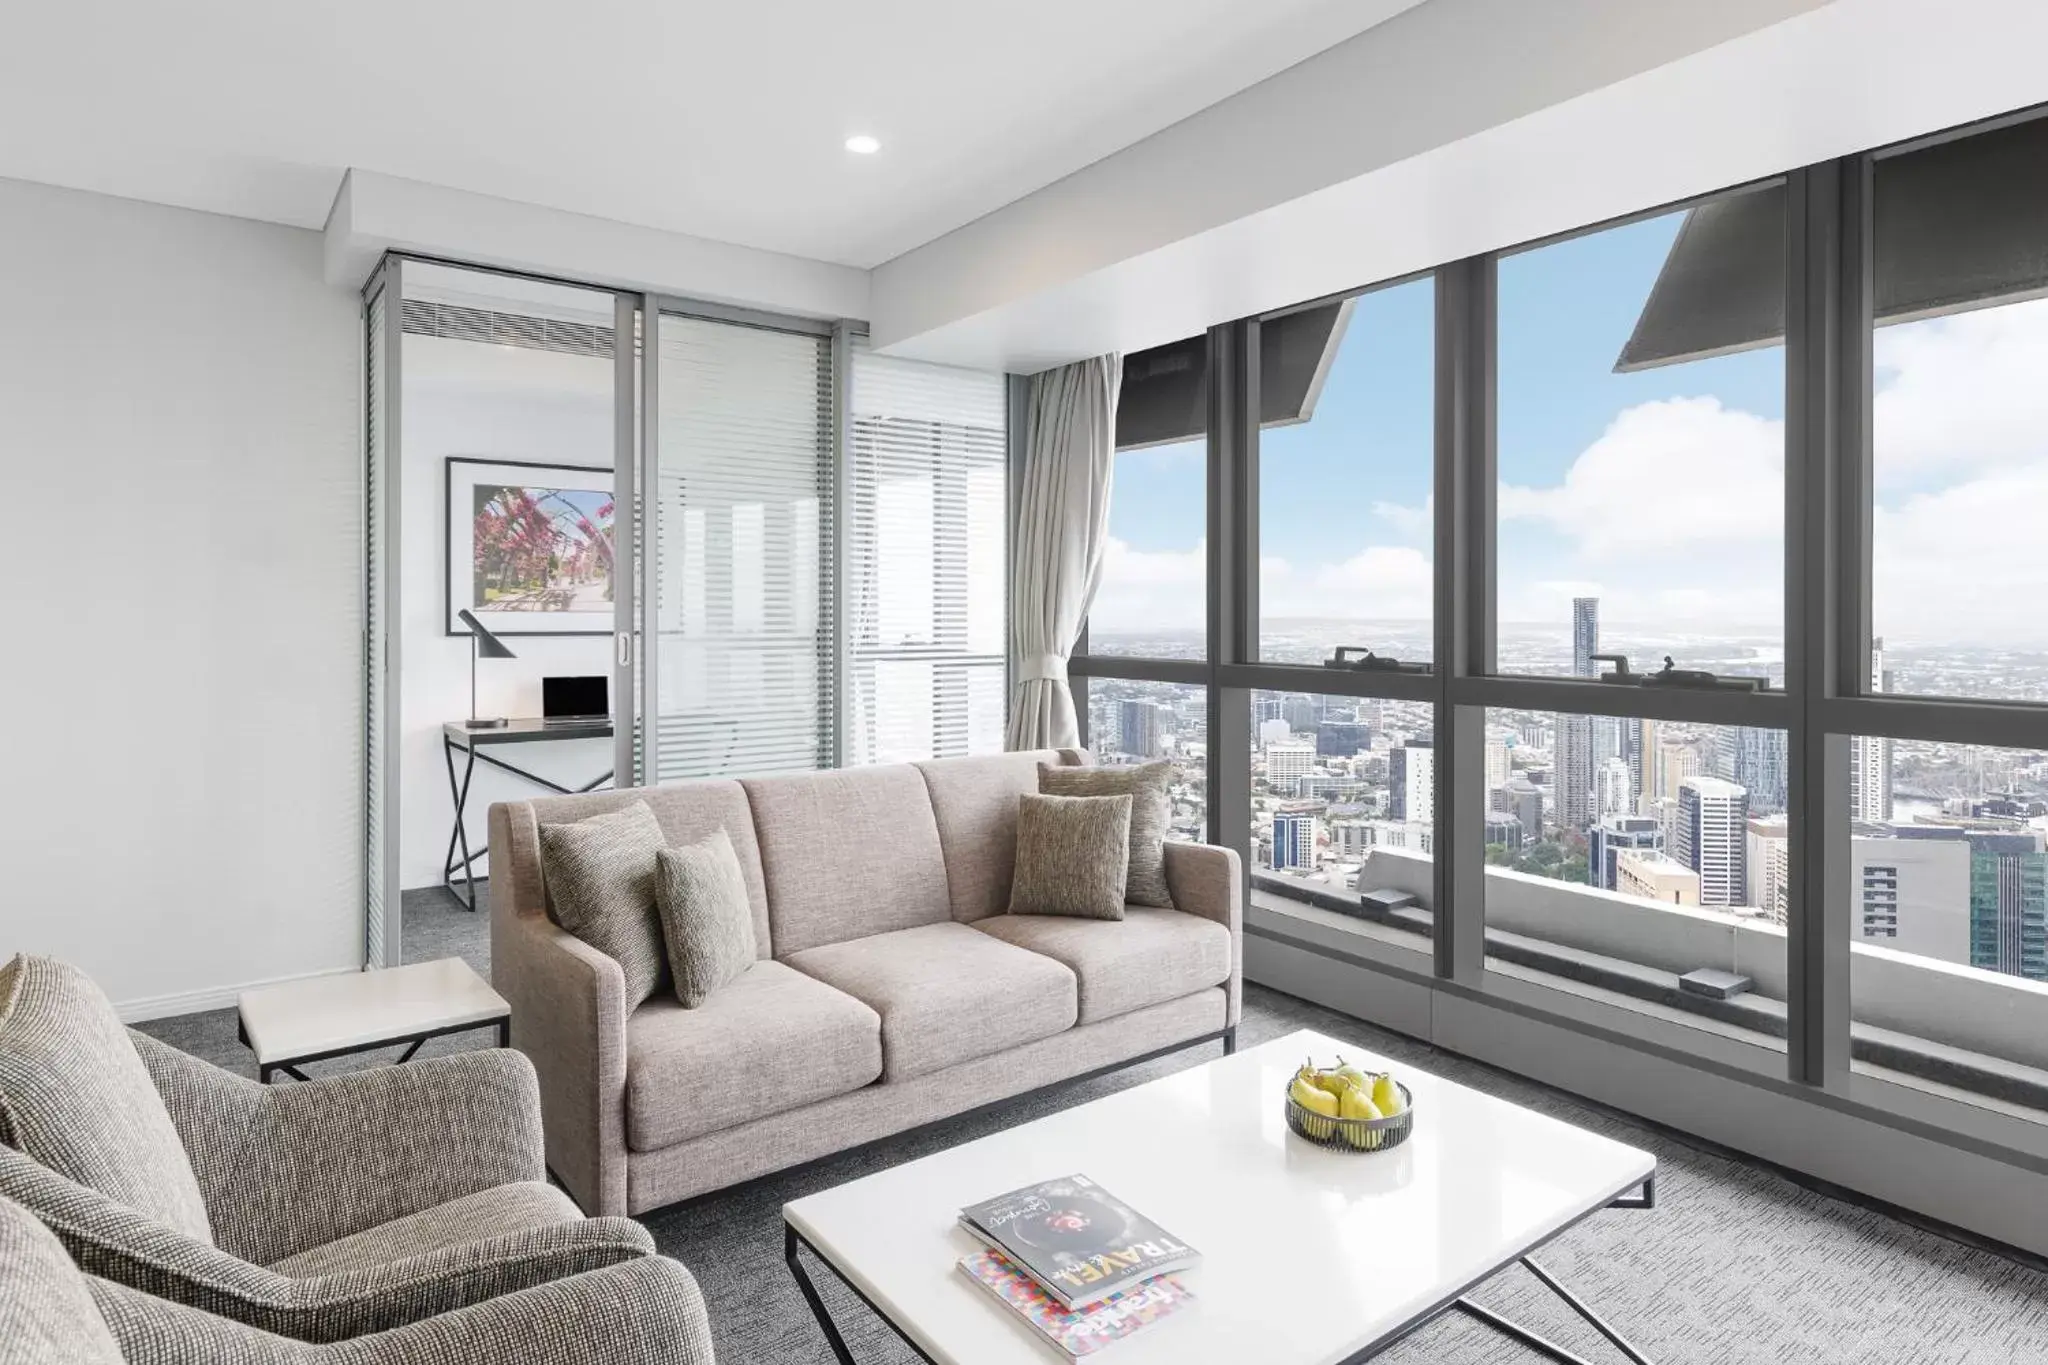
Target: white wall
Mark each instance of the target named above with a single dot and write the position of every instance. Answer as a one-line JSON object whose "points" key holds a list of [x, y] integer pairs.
{"points": [[496, 403], [181, 691]]}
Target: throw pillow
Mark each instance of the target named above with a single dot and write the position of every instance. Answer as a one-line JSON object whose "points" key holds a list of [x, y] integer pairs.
{"points": [[704, 916], [75, 1096], [1072, 856], [600, 879], [1151, 809]]}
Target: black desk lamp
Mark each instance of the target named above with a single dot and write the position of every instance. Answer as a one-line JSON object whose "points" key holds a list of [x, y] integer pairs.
{"points": [[482, 645]]}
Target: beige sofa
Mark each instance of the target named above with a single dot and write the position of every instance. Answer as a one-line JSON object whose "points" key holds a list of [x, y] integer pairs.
{"points": [[891, 990]]}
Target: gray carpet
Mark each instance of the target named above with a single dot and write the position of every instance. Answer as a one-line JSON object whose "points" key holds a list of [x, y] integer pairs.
{"points": [[1736, 1263]]}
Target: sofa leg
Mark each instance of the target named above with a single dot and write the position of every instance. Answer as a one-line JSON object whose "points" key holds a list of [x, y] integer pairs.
{"points": [[1230, 1040]]}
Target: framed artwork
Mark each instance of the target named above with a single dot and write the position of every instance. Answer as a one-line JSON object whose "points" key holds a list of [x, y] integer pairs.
{"points": [[530, 547]]}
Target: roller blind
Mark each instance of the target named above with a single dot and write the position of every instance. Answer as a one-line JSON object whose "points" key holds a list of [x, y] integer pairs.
{"points": [[926, 523], [744, 672], [377, 662]]}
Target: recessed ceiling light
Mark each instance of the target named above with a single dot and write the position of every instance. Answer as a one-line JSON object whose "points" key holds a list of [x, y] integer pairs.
{"points": [[863, 145]]}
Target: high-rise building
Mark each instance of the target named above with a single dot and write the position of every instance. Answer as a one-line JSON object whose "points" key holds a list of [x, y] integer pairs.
{"points": [[1139, 728], [1411, 782], [1504, 830], [1614, 793], [1266, 706], [1713, 816], [1522, 799], [1611, 838], [1575, 806], [1342, 738], [1301, 712], [1294, 840], [1642, 758], [1656, 877], [1287, 761], [1759, 762], [1497, 766], [1913, 894], [1676, 761], [2009, 905], [1768, 867], [1870, 759]]}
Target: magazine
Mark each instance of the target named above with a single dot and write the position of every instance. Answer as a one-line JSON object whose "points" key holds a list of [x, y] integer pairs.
{"points": [[1076, 1239], [1077, 1332]]}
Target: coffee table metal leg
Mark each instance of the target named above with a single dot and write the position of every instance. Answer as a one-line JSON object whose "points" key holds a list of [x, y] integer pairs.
{"points": [[1539, 1343], [810, 1292]]}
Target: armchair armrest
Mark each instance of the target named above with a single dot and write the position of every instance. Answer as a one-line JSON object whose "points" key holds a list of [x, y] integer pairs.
{"points": [[116, 1243], [1208, 880], [285, 1168], [648, 1312]]}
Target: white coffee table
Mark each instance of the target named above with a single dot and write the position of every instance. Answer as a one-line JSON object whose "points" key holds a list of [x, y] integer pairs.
{"points": [[1310, 1256], [332, 1016]]}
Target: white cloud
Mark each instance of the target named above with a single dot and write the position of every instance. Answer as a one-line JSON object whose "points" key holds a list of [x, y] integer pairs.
{"points": [[1411, 523], [1676, 472], [1964, 563], [1151, 590], [1963, 392], [1382, 582]]}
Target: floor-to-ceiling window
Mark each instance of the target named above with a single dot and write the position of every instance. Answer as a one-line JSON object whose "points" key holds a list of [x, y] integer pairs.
{"points": [[1778, 449]]}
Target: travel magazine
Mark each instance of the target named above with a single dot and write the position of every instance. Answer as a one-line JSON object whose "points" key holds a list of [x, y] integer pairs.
{"points": [[1085, 1330], [1079, 1242]]}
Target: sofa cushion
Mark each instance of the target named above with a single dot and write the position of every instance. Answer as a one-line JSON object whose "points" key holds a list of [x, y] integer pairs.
{"points": [[974, 800], [1150, 956], [772, 1040], [848, 853], [705, 920], [1151, 812], [600, 875], [76, 1097], [946, 993], [496, 1212], [687, 812], [1072, 852]]}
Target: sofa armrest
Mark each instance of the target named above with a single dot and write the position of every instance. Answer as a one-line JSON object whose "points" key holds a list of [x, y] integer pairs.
{"points": [[648, 1311], [285, 1168], [568, 1016], [1207, 880]]}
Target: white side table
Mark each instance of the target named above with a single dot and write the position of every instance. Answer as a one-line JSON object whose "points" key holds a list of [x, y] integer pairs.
{"points": [[333, 1016]]}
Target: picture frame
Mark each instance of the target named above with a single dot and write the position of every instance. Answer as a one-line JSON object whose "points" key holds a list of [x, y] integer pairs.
{"points": [[529, 546]]}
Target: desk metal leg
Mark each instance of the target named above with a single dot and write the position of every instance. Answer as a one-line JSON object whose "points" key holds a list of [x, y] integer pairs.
{"points": [[459, 836]]}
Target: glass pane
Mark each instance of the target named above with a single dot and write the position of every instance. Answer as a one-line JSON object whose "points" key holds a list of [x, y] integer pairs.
{"points": [[925, 517], [1641, 443], [1342, 797], [1153, 601], [1664, 887], [1138, 722], [507, 424], [1960, 416], [1948, 905], [745, 658], [1349, 393]]}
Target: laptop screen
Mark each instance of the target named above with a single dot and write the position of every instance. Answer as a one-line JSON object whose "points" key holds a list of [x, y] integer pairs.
{"points": [[561, 697]]}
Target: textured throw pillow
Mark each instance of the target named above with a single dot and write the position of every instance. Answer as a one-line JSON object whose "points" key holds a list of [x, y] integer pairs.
{"points": [[1072, 853], [600, 880], [75, 1096], [704, 916], [1151, 809]]}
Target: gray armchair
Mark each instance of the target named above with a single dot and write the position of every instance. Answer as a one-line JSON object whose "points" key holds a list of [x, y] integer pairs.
{"points": [[644, 1312], [319, 1211]]}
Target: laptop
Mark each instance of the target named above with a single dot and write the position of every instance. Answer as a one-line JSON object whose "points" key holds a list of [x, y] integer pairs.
{"points": [[576, 699]]}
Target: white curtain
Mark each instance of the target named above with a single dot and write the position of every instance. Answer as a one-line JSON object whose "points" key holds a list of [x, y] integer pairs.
{"points": [[1062, 527]]}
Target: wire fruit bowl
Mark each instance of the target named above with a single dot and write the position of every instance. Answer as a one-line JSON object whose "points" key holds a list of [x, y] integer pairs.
{"points": [[1353, 1135]]}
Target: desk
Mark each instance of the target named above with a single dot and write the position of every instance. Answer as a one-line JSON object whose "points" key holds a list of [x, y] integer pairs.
{"points": [[470, 741]]}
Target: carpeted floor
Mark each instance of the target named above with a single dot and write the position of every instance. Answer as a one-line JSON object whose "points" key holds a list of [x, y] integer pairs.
{"points": [[1736, 1264]]}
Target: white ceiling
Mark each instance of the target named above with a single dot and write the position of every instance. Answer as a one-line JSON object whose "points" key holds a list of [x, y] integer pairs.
{"points": [[709, 117]]}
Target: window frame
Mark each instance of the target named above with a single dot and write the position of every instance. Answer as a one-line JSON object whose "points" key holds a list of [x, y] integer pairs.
{"points": [[1825, 703]]}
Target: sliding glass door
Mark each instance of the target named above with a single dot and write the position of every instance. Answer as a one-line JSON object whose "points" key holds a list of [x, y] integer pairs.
{"points": [[738, 564]]}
